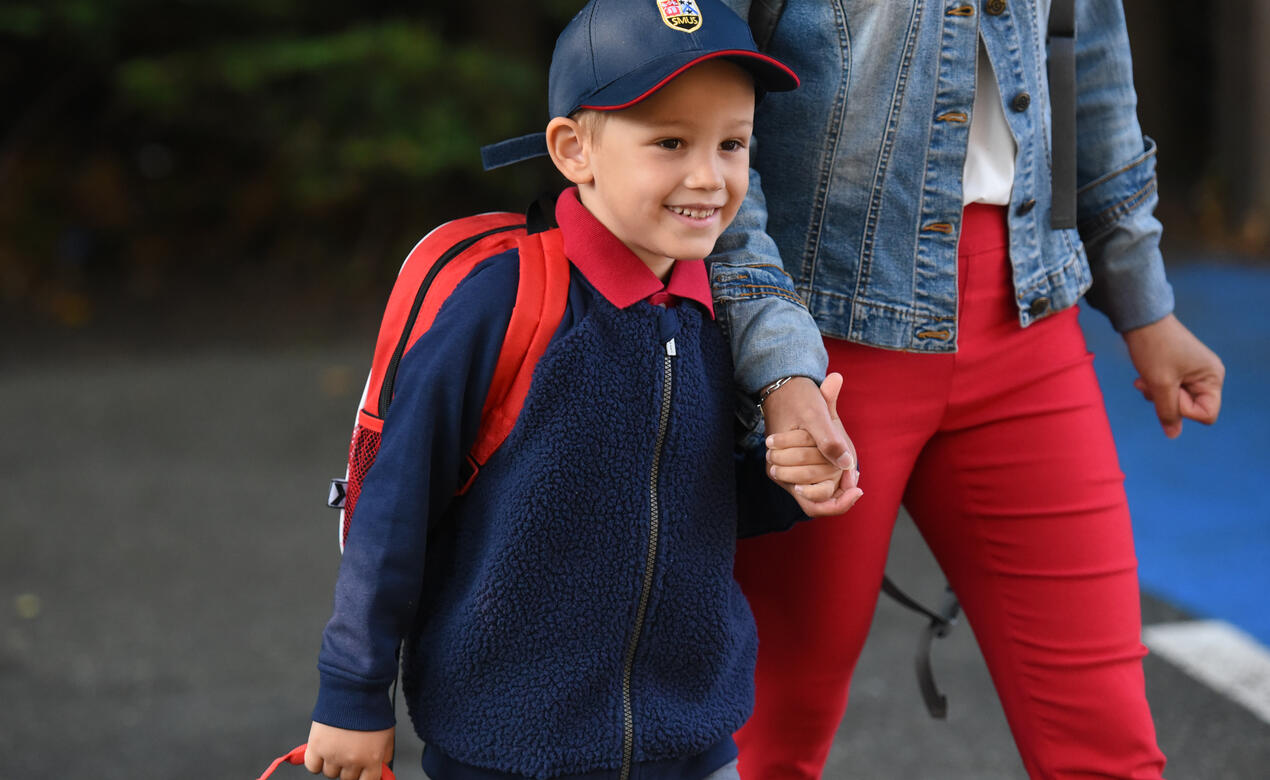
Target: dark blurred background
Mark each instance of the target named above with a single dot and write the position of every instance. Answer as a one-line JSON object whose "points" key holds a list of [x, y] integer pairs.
{"points": [[161, 153], [285, 154]]}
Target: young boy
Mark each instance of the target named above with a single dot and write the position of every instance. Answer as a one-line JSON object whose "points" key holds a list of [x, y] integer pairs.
{"points": [[574, 615]]}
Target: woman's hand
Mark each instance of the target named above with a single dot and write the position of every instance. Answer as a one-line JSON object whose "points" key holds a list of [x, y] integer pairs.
{"points": [[806, 441], [1177, 372]]}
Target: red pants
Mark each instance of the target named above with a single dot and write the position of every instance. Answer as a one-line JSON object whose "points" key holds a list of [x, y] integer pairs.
{"points": [[1003, 456]]}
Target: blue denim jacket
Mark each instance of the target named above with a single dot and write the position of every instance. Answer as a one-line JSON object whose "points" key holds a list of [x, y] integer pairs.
{"points": [[861, 168]]}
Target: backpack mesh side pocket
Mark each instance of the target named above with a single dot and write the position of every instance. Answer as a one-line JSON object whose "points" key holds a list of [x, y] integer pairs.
{"points": [[361, 456]]}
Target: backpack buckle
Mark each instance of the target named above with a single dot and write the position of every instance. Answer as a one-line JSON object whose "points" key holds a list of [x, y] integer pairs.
{"points": [[338, 492]]}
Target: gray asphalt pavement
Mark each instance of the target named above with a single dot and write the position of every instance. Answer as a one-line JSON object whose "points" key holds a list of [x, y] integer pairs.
{"points": [[166, 566]]}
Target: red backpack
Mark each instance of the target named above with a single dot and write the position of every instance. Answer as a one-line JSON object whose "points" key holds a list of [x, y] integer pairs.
{"points": [[431, 272], [427, 278]]}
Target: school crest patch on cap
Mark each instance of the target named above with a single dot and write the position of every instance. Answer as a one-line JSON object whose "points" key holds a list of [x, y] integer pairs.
{"points": [[681, 15]]}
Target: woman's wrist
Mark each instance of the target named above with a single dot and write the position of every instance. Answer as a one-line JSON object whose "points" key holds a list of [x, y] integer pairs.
{"points": [[767, 391]]}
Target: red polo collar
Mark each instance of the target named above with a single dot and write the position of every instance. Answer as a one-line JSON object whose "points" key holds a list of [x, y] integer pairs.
{"points": [[615, 271]]}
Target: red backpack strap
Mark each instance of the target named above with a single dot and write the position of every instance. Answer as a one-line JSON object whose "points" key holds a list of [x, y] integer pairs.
{"points": [[429, 274], [541, 296], [437, 264], [296, 757]]}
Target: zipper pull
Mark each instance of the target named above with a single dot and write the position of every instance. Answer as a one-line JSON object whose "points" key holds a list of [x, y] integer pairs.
{"points": [[670, 348]]}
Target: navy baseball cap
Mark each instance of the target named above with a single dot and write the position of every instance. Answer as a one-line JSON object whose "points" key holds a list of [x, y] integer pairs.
{"points": [[616, 53]]}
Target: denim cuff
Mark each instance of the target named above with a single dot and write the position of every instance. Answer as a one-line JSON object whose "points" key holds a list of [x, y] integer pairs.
{"points": [[771, 337], [1132, 289], [1122, 238], [1104, 202]]}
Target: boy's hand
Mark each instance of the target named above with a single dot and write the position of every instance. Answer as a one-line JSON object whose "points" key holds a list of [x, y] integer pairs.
{"points": [[347, 754], [792, 458], [1181, 376], [811, 455]]}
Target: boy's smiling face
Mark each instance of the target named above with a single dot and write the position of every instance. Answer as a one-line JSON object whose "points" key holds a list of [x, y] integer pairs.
{"points": [[668, 174]]}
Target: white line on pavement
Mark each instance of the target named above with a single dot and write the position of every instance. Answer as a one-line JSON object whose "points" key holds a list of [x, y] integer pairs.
{"points": [[1219, 655]]}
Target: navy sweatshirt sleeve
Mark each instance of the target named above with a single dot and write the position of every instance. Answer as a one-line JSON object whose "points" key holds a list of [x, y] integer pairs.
{"points": [[430, 427]]}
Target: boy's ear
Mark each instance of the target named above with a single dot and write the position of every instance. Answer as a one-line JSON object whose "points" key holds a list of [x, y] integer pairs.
{"points": [[570, 149]]}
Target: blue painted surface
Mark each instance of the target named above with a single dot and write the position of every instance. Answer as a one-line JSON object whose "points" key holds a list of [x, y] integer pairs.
{"points": [[1201, 503]]}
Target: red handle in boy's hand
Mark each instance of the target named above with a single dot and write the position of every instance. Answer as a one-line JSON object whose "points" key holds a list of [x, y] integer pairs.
{"points": [[296, 757]]}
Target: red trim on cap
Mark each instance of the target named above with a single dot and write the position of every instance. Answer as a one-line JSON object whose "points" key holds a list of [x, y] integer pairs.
{"points": [[712, 55]]}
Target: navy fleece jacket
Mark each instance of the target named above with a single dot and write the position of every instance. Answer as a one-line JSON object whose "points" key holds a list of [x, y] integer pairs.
{"points": [[576, 608]]}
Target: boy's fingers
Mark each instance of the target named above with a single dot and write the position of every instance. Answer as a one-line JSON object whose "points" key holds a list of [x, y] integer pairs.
{"points": [[817, 492], [798, 456], [804, 475], [837, 505], [794, 438]]}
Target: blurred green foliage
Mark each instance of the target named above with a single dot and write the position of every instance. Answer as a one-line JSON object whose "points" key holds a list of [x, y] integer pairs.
{"points": [[150, 144], [390, 99]]}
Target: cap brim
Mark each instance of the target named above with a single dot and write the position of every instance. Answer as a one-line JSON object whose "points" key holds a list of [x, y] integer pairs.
{"points": [[770, 75]]}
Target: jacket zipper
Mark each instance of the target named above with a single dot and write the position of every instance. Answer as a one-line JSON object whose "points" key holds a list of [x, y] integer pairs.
{"points": [[654, 528]]}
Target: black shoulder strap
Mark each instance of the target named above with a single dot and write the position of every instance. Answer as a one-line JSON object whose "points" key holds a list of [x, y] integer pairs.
{"points": [[1062, 77], [941, 623], [764, 14]]}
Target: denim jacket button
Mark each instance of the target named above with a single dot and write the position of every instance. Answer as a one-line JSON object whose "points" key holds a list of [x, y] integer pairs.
{"points": [[1021, 102], [995, 7], [1026, 206], [1039, 306]]}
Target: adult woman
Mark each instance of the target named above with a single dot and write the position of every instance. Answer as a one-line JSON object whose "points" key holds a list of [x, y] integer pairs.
{"points": [[908, 189]]}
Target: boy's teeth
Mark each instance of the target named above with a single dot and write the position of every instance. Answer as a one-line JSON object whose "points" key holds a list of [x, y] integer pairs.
{"points": [[694, 213]]}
